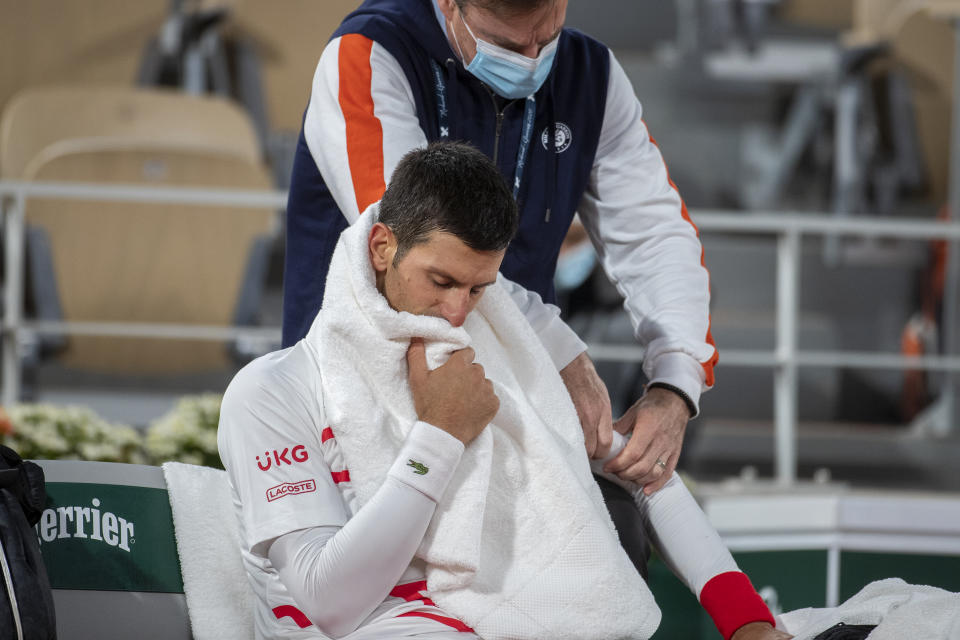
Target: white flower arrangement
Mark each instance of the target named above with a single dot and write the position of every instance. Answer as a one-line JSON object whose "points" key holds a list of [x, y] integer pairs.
{"points": [[45, 432], [188, 433]]}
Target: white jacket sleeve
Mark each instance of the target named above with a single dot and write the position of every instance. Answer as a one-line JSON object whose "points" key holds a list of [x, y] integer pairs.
{"points": [[560, 341], [338, 576], [360, 122], [648, 246]]}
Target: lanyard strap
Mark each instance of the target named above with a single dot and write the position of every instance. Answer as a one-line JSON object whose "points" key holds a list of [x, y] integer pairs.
{"points": [[526, 135], [526, 132], [440, 89]]}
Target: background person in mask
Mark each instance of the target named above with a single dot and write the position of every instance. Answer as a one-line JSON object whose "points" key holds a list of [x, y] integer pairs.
{"points": [[555, 111]]}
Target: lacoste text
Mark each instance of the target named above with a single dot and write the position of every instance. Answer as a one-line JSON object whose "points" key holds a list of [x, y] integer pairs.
{"points": [[290, 488]]}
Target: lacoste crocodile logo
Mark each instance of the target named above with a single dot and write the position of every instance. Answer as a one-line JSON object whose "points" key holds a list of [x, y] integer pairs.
{"points": [[418, 467]]}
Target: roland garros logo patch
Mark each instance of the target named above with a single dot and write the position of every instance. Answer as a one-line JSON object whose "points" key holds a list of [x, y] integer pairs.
{"points": [[290, 489], [562, 137]]}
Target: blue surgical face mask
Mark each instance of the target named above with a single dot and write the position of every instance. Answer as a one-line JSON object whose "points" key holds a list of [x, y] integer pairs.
{"points": [[508, 73], [574, 267]]}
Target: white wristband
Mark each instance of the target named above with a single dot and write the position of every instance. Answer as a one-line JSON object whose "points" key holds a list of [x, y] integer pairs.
{"points": [[427, 460]]}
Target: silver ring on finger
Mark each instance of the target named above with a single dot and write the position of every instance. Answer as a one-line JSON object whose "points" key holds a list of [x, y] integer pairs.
{"points": [[660, 463]]}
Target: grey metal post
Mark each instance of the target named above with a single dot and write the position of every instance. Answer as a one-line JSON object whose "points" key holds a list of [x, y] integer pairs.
{"points": [[194, 70], [951, 291], [833, 574], [785, 375], [688, 29], [803, 122], [847, 170], [13, 299]]}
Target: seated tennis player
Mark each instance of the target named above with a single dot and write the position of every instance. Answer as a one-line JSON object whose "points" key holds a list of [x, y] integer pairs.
{"points": [[414, 468]]}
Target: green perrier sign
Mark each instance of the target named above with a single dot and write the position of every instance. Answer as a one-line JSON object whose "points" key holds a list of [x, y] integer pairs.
{"points": [[109, 537]]}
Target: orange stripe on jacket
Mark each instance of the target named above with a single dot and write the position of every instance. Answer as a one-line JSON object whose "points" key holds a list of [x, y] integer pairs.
{"points": [[712, 362], [364, 131]]}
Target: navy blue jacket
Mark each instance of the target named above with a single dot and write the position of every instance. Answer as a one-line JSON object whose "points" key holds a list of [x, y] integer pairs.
{"points": [[571, 101]]}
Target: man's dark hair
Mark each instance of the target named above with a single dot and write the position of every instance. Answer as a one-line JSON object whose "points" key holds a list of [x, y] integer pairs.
{"points": [[450, 187]]}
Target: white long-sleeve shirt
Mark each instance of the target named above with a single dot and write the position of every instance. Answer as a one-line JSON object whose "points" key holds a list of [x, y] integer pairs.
{"points": [[322, 566]]}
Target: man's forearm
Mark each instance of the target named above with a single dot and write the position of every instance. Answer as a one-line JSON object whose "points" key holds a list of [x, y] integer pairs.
{"points": [[689, 545], [338, 577], [693, 550]]}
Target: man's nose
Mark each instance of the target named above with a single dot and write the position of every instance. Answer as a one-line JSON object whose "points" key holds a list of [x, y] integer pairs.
{"points": [[455, 307]]}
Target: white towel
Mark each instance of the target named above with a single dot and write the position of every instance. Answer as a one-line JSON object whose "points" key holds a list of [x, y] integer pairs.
{"points": [[219, 598], [901, 611], [521, 545]]}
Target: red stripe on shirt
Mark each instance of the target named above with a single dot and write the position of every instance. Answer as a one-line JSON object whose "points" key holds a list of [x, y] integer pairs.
{"points": [[712, 362], [363, 128], [414, 591], [409, 591], [291, 611], [732, 602], [326, 434], [450, 622], [340, 476]]}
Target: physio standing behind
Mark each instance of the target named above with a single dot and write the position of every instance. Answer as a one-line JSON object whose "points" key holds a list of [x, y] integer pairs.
{"points": [[555, 111]]}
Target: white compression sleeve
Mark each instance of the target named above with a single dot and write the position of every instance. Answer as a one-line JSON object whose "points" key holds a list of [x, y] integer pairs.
{"points": [[338, 576], [677, 526]]}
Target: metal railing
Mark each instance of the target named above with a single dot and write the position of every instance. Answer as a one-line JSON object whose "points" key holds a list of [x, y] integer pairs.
{"points": [[13, 197], [785, 359]]}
